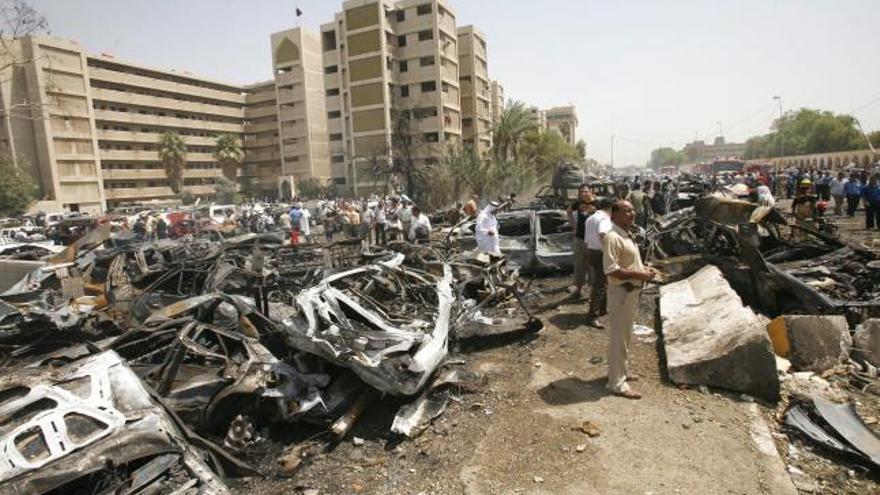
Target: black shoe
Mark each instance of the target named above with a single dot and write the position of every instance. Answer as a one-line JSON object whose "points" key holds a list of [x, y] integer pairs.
{"points": [[594, 322]]}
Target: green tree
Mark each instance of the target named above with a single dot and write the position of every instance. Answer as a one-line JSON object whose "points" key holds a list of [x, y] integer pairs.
{"points": [[17, 188], [514, 124], [228, 153], [172, 153], [807, 131], [666, 157]]}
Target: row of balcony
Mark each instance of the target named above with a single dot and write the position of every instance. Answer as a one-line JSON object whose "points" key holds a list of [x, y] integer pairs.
{"points": [[159, 121], [156, 173], [163, 85], [142, 193], [164, 102]]}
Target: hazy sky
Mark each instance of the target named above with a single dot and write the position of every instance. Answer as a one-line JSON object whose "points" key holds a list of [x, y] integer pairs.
{"points": [[651, 72]]}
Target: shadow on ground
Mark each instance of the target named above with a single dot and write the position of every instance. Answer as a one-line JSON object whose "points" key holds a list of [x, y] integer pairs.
{"points": [[573, 390], [568, 321]]}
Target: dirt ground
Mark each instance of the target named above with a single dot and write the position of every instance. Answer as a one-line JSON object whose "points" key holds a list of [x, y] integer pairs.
{"points": [[522, 430]]}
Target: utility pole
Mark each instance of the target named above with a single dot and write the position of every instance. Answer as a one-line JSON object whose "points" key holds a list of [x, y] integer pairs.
{"points": [[612, 151], [720, 129], [778, 98]]}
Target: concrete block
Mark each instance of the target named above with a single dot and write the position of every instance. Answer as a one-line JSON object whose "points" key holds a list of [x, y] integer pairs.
{"points": [[711, 338], [866, 342], [816, 342]]}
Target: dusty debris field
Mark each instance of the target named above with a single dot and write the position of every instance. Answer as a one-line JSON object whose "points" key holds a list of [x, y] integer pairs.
{"points": [[541, 422]]}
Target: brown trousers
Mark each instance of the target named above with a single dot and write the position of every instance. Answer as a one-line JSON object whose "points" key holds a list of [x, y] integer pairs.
{"points": [[598, 283]]}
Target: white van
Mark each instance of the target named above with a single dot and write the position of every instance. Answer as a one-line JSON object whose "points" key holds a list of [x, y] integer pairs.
{"points": [[217, 213]]}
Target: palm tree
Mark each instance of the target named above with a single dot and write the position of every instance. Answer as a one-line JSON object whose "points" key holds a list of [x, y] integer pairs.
{"points": [[227, 152], [172, 152], [515, 123]]}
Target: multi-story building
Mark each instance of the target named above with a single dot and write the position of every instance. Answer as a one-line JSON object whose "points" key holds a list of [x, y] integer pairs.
{"points": [[699, 151], [384, 81], [562, 120], [476, 94], [391, 77], [302, 111], [261, 169], [496, 105], [87, 126]]}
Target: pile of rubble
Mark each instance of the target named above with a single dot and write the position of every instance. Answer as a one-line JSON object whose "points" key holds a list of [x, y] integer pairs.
{"points": [[136, 367], [763, 308]]}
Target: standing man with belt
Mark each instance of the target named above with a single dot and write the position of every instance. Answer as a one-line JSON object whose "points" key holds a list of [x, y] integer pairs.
{"points": [[626, 274], [597, 225]]}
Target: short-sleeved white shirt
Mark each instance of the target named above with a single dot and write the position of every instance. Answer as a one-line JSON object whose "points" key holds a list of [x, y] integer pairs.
{"points": [[597, 225]]}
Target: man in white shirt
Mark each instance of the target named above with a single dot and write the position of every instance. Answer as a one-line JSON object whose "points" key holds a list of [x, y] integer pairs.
{"points": [[405, 217], [595, 229], [836, 188], [487, 230], [420, 230]]}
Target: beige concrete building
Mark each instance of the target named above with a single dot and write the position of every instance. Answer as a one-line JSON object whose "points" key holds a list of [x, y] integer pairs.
{"points": [[87, 126], [496, 104], [302, 110], [564, 121], [385, 80], [391, 77], [476, 94]]}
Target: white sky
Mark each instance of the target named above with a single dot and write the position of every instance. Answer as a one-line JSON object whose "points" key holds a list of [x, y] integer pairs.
{"points": [[651, 72]]}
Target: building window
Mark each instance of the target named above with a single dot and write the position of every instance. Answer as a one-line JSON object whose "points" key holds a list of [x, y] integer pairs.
{"points": [[328, 40], [467, 122], [333, 92], [336, 137], [432, 137], [426, 35], [401, 15], [404, 91], [423, 9], [426, 61], [429, 86], [401, 40], [334, 115], [339, 181], [338, 159], [331, 69], [403, 65]]}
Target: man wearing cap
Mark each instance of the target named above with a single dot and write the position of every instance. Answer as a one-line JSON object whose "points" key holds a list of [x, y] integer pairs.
{"points": [[597, 225], [487, 230], [622, 264]]}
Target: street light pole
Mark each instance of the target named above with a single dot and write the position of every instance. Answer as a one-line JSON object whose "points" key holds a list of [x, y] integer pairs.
{"points": [[778, 98], [720, 129], [612, 151]]}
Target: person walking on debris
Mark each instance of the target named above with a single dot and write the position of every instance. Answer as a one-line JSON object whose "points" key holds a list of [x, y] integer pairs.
{"points": [[487, 230], [578, 213], [162, 227], [305, 226], [595, 229], [836, 189], [296, 215], [379, 219], [405, 217], [420, 230], [622, 264], [853, 191], [639, 199], [871, 195]]}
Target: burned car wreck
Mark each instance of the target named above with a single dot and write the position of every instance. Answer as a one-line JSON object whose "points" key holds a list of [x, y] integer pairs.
{"points": [[535, 241], [93, 425]]}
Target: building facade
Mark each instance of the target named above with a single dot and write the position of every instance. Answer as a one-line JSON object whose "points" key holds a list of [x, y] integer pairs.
{"points": [[699, 151], [496, 104], [476, 93], [562, 120], [392, 84], [385, 83]]}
